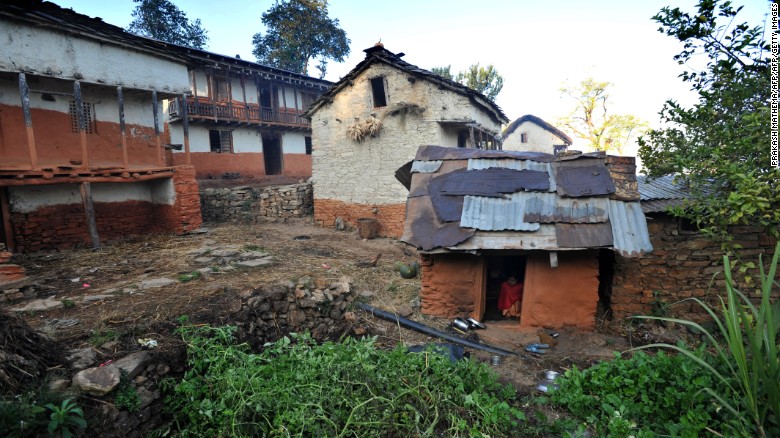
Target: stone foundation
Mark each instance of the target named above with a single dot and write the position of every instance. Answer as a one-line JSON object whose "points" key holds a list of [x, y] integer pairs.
{"points": [[256, 204], [389, 216]]}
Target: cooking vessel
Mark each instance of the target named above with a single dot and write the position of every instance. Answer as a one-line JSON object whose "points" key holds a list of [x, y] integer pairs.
{"points": [[461, 324]]}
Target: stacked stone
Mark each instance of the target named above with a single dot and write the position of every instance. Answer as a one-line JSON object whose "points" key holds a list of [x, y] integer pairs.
{"points": [[312, 304], [186, 214], [254, 204], [623, 173], [12, 278]]}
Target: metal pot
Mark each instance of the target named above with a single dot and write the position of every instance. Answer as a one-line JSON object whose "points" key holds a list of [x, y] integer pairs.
{"points": [[551, 375], [461, 324], [474, 323]]}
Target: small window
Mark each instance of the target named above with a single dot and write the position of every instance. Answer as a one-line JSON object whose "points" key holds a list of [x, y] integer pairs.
{"points": [[220, 89], [308, 145], [221, 141], [687, 226], [378, 90], [462, 138], [524, 137], [89, 117]]}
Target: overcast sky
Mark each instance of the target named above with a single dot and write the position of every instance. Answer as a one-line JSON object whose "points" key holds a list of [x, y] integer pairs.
{"points": [[536, 46]]}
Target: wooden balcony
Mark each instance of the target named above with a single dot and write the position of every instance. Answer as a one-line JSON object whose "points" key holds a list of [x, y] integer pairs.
{"points": [[236, 113]]}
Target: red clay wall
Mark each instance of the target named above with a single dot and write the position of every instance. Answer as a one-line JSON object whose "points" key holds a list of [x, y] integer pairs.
{"points": [[246, 164], [390, 216], [57, 144], [561, 296], [681, 266], [452, 284], [65, 226]]}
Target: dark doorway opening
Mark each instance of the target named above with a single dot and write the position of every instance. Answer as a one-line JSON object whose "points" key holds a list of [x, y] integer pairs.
{"points": [[606, 273], [6, 234], [498, 269], [272, 153]]}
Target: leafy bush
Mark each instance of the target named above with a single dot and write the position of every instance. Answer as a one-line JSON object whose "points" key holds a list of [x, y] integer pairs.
{"points": [[295, 387], [65, 418], [126, 396], [640, 395]]}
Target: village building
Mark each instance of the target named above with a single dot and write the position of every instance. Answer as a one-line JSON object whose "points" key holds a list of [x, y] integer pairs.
{"points": [[371, 123], [82, 132], [480, 216], [532, 134], [243, 119]]}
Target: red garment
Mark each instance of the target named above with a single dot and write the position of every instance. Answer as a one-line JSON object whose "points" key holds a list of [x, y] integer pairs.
{"points": [[509, 295]]}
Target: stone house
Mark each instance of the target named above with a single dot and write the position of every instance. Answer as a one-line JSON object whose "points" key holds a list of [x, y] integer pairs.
{"points": [[81, 132], [479, 216], [243, 119], [371, 122], [530, 133], [683, 264]]}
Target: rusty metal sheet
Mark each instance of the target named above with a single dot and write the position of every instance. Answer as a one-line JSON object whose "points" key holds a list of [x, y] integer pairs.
{"points": [[583, 178], [431, 153], [426, 166], [424, 231], [492, 182], [583, 235], [511, 163], [404, 175], [629, 228], [550, 208], [496, 214], [420, 180]]}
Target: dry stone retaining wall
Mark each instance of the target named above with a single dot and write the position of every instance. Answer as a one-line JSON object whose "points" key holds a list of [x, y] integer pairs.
{"points": [[247, 204]]}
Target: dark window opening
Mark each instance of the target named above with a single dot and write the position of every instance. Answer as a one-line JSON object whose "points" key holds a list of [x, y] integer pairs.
{"points": [[463, 137], [308, 145], [499, 269], [378, 90], [687, 226], [89, 117], [524, 137], [220, 89], [265, 98], [221, 141]]}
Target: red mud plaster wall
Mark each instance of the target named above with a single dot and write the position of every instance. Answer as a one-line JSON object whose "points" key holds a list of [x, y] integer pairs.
{"points": [[681, 266], [452, 284], [390, 216], [247, 164], [184, 215], [562, 296]]}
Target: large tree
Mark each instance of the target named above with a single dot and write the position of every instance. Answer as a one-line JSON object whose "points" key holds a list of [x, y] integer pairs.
{"points": [[485, 80], [298, 31], [162, 20], [720, 146], [592, 120]]}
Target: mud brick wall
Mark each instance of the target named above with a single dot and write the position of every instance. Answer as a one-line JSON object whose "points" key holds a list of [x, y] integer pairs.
{"points": [[185, 214], [389, 216], [311, 305], [256, 204], [681, 266]]}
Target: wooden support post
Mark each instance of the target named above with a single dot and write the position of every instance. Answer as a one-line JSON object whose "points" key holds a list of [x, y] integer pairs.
{"points": [[243, 93], [195, 94], [89, 210], [553, 259], [122, 131], [156, 111], [185, 123], [5, 216], [82, 124], [471, 134], [24, 91]]}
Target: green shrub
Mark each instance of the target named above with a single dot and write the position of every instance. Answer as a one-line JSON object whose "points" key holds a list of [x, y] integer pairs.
{"points": [[126, 396], [295, 387], [65, 418]]}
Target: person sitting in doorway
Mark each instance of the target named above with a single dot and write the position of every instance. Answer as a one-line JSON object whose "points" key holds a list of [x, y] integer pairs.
{"points": [[510, 297]]}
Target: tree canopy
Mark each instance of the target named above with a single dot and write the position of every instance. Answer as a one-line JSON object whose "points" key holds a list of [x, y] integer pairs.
{"points": [[298, 31], [485, 80], [592, 120], [719, 147], [162, 20]]}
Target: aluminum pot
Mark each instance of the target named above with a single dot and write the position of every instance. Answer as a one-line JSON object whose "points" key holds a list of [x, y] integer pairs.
{"points": [[551, 375], [461, 324], [474, 323]]}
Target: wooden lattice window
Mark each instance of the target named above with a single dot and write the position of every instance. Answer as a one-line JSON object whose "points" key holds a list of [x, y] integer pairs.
{"points": [[89, 117], [221, 141]]}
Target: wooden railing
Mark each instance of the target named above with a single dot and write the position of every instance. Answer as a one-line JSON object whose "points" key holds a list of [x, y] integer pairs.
{"points": [[237, 112]]}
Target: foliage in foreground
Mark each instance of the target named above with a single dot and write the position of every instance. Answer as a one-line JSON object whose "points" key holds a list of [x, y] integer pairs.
{"points": [[295, 387], [25, 415], [746, 369]]}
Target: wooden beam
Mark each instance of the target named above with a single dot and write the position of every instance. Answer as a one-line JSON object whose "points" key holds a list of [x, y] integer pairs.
{"points": [[82, 124], [122, 130], [71, 180], [186, 131], [89, 211], [24, 91], [156, 111], [5, 215]]}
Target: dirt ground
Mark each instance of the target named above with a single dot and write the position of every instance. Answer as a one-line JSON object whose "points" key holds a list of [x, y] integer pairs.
{"points": [[105, 298]]}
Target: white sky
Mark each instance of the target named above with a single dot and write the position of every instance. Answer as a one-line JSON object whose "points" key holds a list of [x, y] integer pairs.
{"points": [[537, 46]]}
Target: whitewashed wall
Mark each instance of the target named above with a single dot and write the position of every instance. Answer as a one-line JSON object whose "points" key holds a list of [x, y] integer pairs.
{"points": [[539, 139], [26, 199], [47, 52], [364, 172], [244, 140], [294, 143]]}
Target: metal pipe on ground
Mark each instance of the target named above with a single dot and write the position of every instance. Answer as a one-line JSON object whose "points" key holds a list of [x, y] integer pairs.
{"points": [[422, 328]]}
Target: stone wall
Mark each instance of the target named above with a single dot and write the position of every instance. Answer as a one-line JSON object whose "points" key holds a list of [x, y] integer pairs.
{"points": [[682, 265], [253, 204]]}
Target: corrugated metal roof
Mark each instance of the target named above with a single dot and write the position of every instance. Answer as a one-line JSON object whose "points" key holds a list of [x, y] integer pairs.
{"points": [[510, 163], [549, 208], [658, 194], [583, 178], [629, 228], [583, 235], [496, 214], [426, 166]]}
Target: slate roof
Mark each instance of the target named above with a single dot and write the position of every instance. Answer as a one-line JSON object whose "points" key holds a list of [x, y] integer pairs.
{"points": [[658, 194], [379, 54], [541, 123], [472, 200]]}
